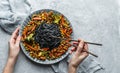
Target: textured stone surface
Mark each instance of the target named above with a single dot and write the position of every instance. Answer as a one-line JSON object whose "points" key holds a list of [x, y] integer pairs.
{"points": [[92, 20]]}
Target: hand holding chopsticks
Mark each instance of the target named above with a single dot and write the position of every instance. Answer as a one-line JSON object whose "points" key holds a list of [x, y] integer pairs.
{"points": [[87, 51], [79, 53], [98, 44]]}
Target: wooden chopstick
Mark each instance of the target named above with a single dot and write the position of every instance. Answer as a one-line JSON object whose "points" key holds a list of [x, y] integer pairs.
{"points": [[92, 54], [89, 43], [88, 52], [77, 40]]}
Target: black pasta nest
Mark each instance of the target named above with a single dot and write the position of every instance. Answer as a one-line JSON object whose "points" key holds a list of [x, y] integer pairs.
{"points": [[44, 33]]}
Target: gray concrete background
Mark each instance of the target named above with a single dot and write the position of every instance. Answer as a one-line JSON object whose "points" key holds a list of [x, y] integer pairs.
{"points": [[92, 20]]}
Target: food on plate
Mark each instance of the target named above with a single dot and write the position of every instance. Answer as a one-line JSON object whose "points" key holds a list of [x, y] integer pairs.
{"points": [[37, 35]]}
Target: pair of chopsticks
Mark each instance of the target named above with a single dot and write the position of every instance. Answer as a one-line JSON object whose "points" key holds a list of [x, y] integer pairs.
{"points": [[88, 52], [98, 44]]}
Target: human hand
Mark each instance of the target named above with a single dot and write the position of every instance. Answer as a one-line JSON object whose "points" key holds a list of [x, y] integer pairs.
{"points": [[14, 48], [79, 54]]}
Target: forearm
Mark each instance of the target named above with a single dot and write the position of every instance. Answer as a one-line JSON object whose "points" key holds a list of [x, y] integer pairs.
{"points": [[9, 66], [72, 69]]}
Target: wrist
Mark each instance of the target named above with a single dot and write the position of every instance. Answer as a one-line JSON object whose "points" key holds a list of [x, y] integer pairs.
{"points": [[11, 61], [72, 69], [72, 66], [13, 58]]}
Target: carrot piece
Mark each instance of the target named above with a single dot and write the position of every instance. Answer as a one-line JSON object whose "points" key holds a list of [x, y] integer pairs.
{"points": [[42, 58], [45, 49], [31, 22], [25, 31], [32, 29], [30, 47], [62, 19], [37, 18]]}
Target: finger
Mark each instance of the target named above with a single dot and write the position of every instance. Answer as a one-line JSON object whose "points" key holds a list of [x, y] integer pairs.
{"points": [[12, 41], [75, 42], [82, 57], [80, 46], [15, 33], [86, 46], [73, 49], [14, 36], [18, 41], [84, 53], [70, 52], [79, 40]]}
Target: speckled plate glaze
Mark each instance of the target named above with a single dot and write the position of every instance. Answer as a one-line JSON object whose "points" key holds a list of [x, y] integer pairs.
{"points": [[46, 62]]}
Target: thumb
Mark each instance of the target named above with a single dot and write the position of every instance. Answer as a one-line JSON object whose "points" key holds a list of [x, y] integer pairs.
{"points": [[18, 41]]}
